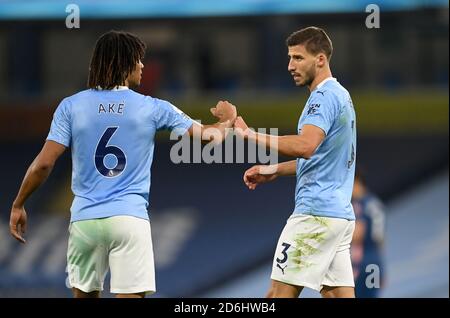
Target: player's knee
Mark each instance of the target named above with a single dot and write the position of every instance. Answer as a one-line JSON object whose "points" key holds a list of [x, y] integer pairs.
{"points": [[77, 293], [273, 290], [280, 290], [338, 292], [271, 293]]}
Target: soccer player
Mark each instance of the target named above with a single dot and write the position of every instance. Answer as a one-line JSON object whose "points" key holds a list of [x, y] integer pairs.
{"points": [[111, 131], [314, 247], [368, 238]]}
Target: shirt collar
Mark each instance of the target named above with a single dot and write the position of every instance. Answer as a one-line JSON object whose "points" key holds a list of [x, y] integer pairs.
{"points": [[117, 88], [324, 81]]}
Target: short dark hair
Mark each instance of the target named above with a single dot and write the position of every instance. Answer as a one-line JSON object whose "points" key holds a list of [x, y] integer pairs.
{"points": [[115, 56], [315, 40]]}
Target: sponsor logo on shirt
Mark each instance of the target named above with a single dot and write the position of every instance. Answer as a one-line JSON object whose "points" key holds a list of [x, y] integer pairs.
{"points": [[312, 109]]}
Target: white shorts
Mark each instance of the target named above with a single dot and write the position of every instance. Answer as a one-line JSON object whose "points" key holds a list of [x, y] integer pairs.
{"points": [[314, 252], [122, 243]]}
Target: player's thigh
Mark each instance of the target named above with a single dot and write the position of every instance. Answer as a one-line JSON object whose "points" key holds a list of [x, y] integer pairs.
{"points": [[87, 261], [337, 292], [131, 255], [305, 250], [340, 271], [283, 290]]}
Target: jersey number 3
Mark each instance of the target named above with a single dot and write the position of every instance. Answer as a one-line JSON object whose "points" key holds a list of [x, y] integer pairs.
{"points": [[103, 150]]}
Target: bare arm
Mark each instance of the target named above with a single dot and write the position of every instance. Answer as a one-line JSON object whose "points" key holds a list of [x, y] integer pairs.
{"points": [[216, 132], [303, 145], [36, 174], [226, 113], [261, 174], [359, 233], [288, 168]]}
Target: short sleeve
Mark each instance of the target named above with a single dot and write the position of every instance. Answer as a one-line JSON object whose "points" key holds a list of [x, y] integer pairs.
{"points": [[170, 117], [320, 111], [61, 128]]}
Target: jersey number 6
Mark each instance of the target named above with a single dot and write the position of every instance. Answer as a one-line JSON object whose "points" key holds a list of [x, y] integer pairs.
{"points": [[103, 150]]}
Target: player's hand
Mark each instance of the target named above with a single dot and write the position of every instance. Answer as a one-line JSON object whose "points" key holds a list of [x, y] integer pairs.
{"points": [[241, 128], [224, 111], [259, 174], [18, 223]]}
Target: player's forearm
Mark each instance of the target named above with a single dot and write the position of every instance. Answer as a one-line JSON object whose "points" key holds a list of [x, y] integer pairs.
{"points": [[216, 132], [36, 174], [359, 232], [287, 168], [291, 145]]}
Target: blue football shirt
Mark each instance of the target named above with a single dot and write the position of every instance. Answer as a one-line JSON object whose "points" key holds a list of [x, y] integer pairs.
{"points": [[111, 133], [325, 181]]}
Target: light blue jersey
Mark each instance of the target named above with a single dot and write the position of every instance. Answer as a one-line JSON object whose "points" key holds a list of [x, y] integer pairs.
{"points": [[325, 181], [111, 133]]}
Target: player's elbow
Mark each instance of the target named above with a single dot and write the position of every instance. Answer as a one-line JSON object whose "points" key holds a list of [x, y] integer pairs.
{"points": [[306, 151], [43, 166], [302, 147]]}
